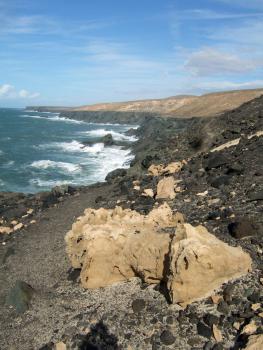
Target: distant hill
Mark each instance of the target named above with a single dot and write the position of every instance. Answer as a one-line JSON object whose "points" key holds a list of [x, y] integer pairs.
{"points": [[182, 105]]}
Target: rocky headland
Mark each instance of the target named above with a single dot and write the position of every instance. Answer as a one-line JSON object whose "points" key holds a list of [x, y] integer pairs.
{"points": [[164, 255]]}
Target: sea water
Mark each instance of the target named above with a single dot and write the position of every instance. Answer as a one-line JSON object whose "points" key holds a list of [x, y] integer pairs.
{"points": [[41, 150]]}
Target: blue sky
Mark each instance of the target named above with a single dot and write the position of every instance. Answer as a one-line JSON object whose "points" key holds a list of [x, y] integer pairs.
{"points": [[80, 52]]}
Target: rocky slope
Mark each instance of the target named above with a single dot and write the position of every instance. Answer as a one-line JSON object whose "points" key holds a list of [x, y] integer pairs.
{"points": [[218, 185]]}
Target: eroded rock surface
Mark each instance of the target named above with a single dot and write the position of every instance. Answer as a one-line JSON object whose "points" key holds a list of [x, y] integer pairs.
{"points": [[115, 245]]}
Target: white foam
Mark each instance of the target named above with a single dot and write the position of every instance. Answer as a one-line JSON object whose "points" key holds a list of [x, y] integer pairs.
{"points": [[46, 164], [116, 135], [54, 118], [48, 183], [74, 146]]}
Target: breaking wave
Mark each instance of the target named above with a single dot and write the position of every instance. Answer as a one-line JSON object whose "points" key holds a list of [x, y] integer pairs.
{"points": [[46, 164]]}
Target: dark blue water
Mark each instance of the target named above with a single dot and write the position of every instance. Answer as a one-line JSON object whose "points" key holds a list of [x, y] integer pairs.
{"points": [[40, 150]]}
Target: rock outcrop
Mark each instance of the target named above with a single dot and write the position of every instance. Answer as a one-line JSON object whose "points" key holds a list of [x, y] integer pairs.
{"points": [[115, 245], [166, 188]]}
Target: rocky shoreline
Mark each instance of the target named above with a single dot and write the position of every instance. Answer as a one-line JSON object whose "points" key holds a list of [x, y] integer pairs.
{"points": [[219, 186]]}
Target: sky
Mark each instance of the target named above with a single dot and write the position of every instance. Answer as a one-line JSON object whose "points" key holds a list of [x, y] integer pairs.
{"points": [[71, 53]]}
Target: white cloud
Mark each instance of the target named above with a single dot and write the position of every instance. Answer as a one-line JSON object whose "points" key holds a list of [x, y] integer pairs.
{"points": [[210, 61], [8, 91], [26, 94]]}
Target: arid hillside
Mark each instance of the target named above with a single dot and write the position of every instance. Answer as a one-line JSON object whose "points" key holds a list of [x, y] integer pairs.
{"points": [[183, 105]]}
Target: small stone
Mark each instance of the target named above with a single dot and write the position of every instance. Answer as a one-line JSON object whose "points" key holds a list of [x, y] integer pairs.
{"points": [[236, 325], [203, 330], [250, 328], [33, 222], [14, 222], [167, 337], [261, 280], [228, 292], [217, 334], [216, 298], [210, 319], [18, 226], [148, 192], [30, 211], [5, 230], [60, 346], [223, 307], [138, 305], [255, 307]]}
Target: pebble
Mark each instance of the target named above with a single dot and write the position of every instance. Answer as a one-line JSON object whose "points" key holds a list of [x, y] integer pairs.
{"points": [[204, 330], [167, 337], [138, 305]]}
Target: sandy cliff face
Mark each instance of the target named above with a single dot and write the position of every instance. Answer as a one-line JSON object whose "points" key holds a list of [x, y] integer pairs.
{"points": [[182, 106]]}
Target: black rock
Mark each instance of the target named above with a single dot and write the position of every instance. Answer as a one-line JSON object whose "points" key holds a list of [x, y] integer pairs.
{"points": [[62, 190], [254, 297], [210, 319], [242, 228], [167, 337], [204, 330], [218, 346], [256, 196], [223, 307], [20, 296], [108, 140], [138, 305], [115, 174], [220, 181], [228, 292], [216, 160]]}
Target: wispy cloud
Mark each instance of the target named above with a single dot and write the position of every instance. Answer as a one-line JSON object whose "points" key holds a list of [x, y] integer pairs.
{"points": [[209, 61], [8, 91]]}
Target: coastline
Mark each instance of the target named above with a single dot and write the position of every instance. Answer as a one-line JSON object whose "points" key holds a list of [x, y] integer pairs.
{"points": [[161, 141]]}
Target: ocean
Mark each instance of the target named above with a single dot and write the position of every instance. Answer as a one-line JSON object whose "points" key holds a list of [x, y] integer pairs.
{"points": [[41, 150]]}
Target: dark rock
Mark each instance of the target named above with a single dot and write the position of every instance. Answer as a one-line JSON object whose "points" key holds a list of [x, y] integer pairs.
{"points": [[167, 337], [216, 160], [73, 274], [46, 198], [20, 296], [254, 297], [235, 169], [203, 330], [208, 346], [138, 305], [210, 319], [228, 292], [256, 196], [14, 213], [220, 181], [115, 174], [223, 307], [107, 140], [242, 228], [218, 346], [62, 190]]}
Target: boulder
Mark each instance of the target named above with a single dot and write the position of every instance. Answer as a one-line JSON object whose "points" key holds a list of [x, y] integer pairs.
{"points": [[171, 168], [20, 296], [117, 173], [255, 342], [114, 245], [166, 188], [200, 263], [241, 229], [108, 140]]}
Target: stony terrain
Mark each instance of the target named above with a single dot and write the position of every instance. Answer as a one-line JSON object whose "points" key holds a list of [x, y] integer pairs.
{"points": [[220, 189]]}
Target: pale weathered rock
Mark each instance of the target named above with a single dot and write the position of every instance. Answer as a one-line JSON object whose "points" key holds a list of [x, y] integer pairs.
{"points": [[250, 328], [171, 168], [166, 188], [61, 346], [148, 192], [201, 263], [114, 245], [255, 342], [5, 230], [18, 226], [217, 334]]}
